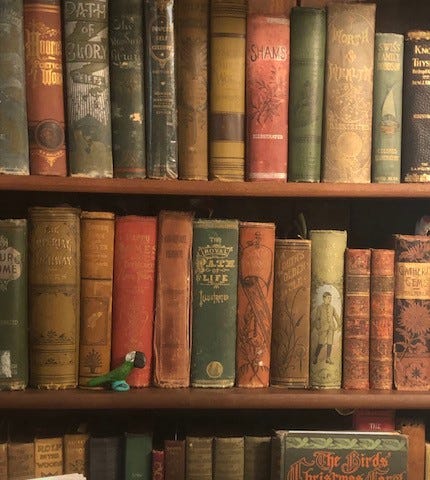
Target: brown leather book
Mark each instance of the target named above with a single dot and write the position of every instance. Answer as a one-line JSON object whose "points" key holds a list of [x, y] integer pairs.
{"points": [[174, 459], [415, 429], [3, 460], [48, 457], [75, 447], [271, 7], [20, 461]]}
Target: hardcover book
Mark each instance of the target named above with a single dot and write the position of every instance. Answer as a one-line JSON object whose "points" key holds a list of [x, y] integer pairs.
{"points": [[174, 459], [415, 430], [106, 458], [198, 458], [138, 456], [367, 420], [228, 458], [3, 460], [280, 8], [75, 453], [157, 465], [256, 458], [48, 457], [20, 459]]}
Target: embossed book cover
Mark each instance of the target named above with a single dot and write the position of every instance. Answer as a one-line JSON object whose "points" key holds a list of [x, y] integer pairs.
{"points": [[198, 458]]}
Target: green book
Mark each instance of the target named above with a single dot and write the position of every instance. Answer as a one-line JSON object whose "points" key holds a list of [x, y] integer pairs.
{"points": [[138, 456], [215, 251], [198, 458], [228, 462], [257, 458]]}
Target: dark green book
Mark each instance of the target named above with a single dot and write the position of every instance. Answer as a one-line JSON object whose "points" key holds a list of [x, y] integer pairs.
{"points": [[106, 458], [13, 305], [307, 59], [127, 88], [257, 458], [198, 458], [215, 251], [387, 108], [228, 461], [138, 456]]}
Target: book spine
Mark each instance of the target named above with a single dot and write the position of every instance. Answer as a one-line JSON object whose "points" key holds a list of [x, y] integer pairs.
{"points": [[228, 458], [54, 280], [106, 458], [278, 8], [157, 465], [215, 252], [368, 420], [13, 108], [160, 81], [327, 266], [192, 19], [44, 81], [289, 364], [356, 322], [127, 88], [308, 39], [138, 456], [411, 312], [48, 457], [20, 459], [254, 303], [256, 458], [88, 88], [174, 459], [277, 456], [75, 448], [13, 305], [381, 319], [134, 283], [227, 92], [3, 461], [348, 92], [416, 432], [97, 243], [387, 108], [198, 458], [267, 74], [173, 288]]}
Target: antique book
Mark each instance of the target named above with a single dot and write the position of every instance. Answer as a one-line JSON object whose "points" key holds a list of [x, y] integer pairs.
{"points": [[327, 265], [191, 24], [133, 286], [348, 92], [97, 244], [305, 115], [415, 430], [214, 305], [127, 88], [227, 92], [54, 295], [198, 458], [13, 107], [412, 312], [381, 319], [13, 305], [75, 453], [44, 82], [254, 303], [356, 319], [267, 77], [138, 456], [89, 139], [367, 420], [20, 460], [228, 458], [157, 465], [280, 8], [256, 458], [416, 110], [289, 363], [387, 108], [172, 303], [174, 459], [3, 461], [324, 3], [48, 457], [106, 458], [427, 461], [160, 95]]}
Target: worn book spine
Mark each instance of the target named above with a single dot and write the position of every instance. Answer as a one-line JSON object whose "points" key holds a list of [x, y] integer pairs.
{"points": [[48, 457], [415, 430], [327, 266], [20, 459], [75, 453], [305, 115], [13, 305], [172, 304], [127, 88], [138, 456], [289, 364], [281, 8], [97, 243], [198, 458], [387, 108], [44, 82], [3, 461], [54, 294], [88, 88], [13, 108], [174, 459], [106, 458], [427, 461], [228, 458], [133, 287], [369, 420], [381, 319], [191, 24], [160, 81], [348, 92], [254, 303], [256, 458], [214, 306], [227, 92], [157, 465], [411, 312]]}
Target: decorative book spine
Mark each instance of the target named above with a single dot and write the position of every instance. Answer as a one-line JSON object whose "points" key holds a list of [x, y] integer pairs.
{"points": [[227, 92], [387, 108], [412, 312], [45, 98], [158, 465], [173, 288], [54, 278], [138, 456], [97, 243], [134, 281], [20, 459], [127, 88], [289, 364], [198, 458], [416, 108], [3, 461], [327, 264], [161, 113], [13, 108], [381, 319], [215, 250], [75, 453], [348, 92], [256, 458], [88, 89], [369, 420], [174, 459], [192, 18], [106, 456], [356, 327], [254, 303], [308, 39], [48, 457], [228, 462], [13, 305]]}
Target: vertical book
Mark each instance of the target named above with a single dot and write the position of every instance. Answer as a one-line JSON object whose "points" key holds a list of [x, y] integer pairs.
{"points": [[198, 457]]}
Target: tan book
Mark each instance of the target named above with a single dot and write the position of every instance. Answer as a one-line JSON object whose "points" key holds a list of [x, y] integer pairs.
{"points": [[276, 8], [48, 456], [3, 460], [20, 461], [427, 461], [415, 429], [75, 449]]}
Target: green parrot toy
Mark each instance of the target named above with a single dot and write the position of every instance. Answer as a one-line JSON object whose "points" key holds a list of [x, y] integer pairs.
{"points": [[117, 376]]}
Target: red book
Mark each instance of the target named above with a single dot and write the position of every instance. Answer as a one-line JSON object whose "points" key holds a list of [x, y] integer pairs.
{"points": [[157, 465], [374, 420], [133, 292]]}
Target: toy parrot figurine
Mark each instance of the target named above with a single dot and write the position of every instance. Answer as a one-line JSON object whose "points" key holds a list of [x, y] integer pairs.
{"points": [[117, 376]]}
